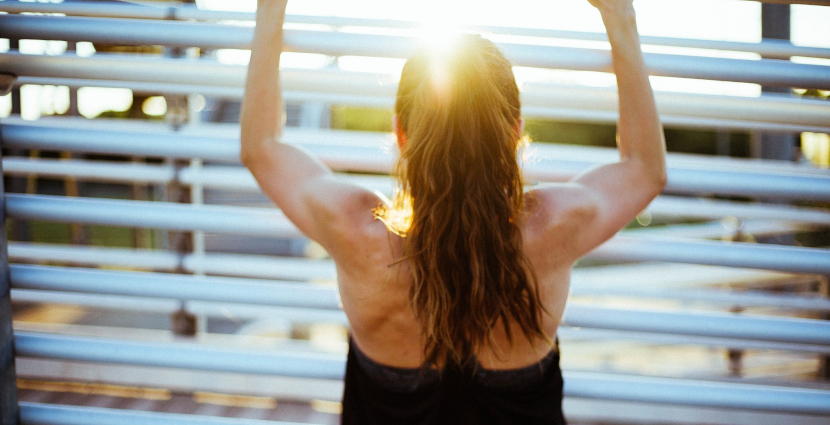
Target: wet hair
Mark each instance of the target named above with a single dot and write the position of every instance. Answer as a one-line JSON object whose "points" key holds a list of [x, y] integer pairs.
{"points": [[459, 199]]}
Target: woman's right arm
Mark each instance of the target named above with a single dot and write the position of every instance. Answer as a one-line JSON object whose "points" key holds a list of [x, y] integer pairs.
{"points": [[326, 209], [603, 200]]}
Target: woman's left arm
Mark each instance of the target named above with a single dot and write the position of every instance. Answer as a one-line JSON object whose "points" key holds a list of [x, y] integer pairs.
{"points": [[300, 184]]}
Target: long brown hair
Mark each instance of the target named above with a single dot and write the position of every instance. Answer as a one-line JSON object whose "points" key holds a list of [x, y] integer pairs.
{"points": [[460, 197]]}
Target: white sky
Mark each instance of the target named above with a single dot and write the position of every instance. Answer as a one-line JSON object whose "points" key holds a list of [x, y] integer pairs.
{"points": [[733, 20]]}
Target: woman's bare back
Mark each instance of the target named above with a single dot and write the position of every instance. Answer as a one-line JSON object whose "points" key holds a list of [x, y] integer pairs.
{"points": [[374, 288]]}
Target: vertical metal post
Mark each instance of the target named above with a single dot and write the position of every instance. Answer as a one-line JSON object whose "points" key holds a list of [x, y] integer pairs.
{"points": [[14, 44], [775, 24], [20, 229], [183, 322], [9, 410], [824, 366]]}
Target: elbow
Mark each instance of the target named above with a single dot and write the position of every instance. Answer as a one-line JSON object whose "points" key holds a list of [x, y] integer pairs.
{"points": [[246, 157], [248, 154], [659, 181]]}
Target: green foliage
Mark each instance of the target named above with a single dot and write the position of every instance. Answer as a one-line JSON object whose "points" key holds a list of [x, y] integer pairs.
{"points": [[361, 119], [549, 131], [49, 232]]}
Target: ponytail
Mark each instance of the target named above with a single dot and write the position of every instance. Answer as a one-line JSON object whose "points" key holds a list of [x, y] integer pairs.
{"points": [[460, 198]]}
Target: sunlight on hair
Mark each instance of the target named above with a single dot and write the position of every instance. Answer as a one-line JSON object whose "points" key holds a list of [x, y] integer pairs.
{"points": [[440, 27], [397, 218], [441, 41]]}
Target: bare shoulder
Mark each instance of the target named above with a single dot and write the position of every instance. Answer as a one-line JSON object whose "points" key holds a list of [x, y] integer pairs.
{"points": [[556, 215], [560, 204], [344, 216]]}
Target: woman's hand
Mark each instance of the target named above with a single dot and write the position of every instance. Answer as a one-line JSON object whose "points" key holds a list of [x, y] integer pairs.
{"points": [[620, 9], [612, 195], [618, 6]]}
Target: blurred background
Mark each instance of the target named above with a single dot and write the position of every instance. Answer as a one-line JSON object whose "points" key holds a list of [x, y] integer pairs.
{"points": [[125, 197]]}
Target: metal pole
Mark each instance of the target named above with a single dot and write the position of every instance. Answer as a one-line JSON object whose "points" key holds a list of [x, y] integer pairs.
{"points": [[177, 76], [768, 48], [324, 366], [9, 414], [344, 151], [187, 34]]}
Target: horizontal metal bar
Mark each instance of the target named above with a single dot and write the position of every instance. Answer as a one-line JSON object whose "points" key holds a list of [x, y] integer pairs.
{"points": [[779, 49], [735, 254], [234, 311], [784, 110], [577, 384], [98, 9], [565, 113], [185, 355], [168, 285], [208, 176], [719, 230], [715, 325], [696, 393], [301, 269], [123, 31], [696, 180], [569, 335], [159, 215], [679, 106], [718, 297], [56, 414], [239, 179], [269, 222], [308, 315], [265, 222], [577, 410], [212, 263], [98, 171], [769, 112], [340, 152], [237, 290], [810, 2], [61, 254], [712, 209], [323, 271]]}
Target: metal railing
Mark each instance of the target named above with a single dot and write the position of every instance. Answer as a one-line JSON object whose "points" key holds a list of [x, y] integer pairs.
{"points": [[768, 112], [771, 48], [292, 294], [769, 72], [578, 384], [365, 153], [256, 286], [265, 222]]}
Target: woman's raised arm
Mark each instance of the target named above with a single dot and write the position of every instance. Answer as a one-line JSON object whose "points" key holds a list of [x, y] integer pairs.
{"points": [[603, 200], [301, 185]]}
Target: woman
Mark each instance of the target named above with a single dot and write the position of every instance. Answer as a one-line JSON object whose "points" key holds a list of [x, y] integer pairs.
{"points": [[455, 291]]}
